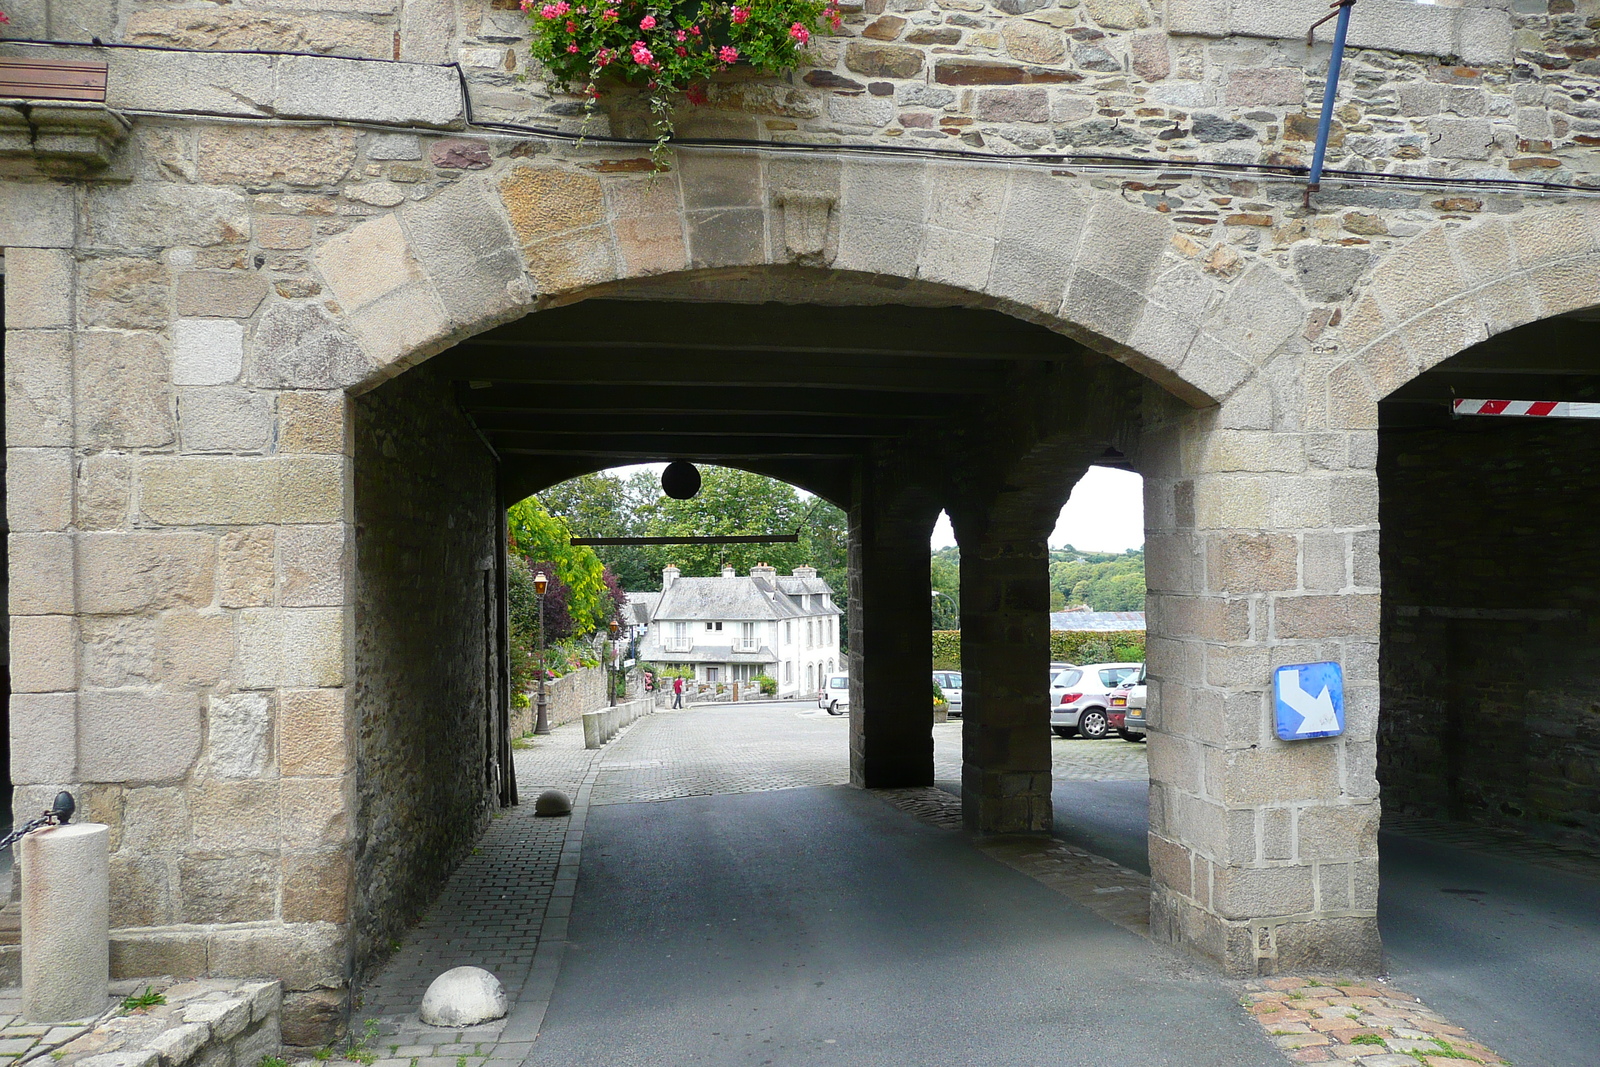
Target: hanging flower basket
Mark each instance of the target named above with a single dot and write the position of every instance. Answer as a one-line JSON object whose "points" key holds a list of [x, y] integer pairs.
{"points": [[669, 50]]}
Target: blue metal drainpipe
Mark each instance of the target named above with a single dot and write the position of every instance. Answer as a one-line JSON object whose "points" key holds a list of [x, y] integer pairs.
{"points": [[1335, 62]]}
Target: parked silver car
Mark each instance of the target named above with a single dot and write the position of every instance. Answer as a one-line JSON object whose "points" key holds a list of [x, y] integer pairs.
{"points": [[1080, 697], [949, 682]]}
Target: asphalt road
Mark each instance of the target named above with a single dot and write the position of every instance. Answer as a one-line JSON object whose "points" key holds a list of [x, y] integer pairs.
{"points": [[1499, 946], [820, 926]]}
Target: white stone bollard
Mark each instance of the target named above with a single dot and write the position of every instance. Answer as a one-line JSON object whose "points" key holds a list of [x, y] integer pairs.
{"points": [[66, 922]]}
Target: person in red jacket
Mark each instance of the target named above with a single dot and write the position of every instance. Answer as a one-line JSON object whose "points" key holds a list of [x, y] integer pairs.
{"points": [[677, 692]]}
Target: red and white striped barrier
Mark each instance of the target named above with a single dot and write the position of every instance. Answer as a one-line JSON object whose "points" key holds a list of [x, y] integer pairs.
{"points": [[1537, 409]]}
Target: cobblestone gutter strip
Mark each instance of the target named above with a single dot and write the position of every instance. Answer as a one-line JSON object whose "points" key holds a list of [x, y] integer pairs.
{"points": [[1108, 889], [217, 1023], [1323, 1021]]}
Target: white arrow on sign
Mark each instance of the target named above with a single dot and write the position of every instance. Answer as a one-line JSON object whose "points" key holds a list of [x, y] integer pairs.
{"points": [[1316, 712]]}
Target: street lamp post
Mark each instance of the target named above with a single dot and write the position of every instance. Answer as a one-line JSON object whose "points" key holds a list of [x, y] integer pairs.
{"points": [[938, 593], [541, 722], [611, 665]]}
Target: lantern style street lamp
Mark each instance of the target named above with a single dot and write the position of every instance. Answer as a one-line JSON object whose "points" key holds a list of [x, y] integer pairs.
{"points": [[541, 722], [611, 666]]}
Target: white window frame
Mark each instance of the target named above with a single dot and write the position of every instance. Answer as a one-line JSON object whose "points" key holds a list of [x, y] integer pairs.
{"points": [[680, 638], [748, 640]]}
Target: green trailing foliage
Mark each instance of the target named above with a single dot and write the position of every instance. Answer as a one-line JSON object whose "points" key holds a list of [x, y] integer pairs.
{"points": [[1070, 646]]}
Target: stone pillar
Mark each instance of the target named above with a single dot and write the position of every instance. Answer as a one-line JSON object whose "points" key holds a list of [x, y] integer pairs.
{"points": [[66, 922], [891, 623], [1005, 655], [1260, 553]]}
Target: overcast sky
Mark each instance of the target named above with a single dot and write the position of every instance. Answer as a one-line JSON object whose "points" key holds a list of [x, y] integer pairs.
{"points": [[1105, 514]]}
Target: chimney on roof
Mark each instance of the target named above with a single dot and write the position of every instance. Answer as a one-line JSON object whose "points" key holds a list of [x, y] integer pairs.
{"points": [[763, 570], [805, 572], [728, 571], [669, 574]]}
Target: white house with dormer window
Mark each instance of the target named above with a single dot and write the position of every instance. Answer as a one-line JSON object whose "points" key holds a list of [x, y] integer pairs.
{"points": [[735, 627]]}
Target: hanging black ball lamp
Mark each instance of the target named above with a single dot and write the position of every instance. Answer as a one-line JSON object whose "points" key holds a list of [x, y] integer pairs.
{"points": [[680, 480]]}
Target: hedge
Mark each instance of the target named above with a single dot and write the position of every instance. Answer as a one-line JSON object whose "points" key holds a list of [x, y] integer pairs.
{"points": [[1072, 646]]}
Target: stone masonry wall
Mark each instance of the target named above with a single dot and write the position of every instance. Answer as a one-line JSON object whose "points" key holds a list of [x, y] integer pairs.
{"points": [[566, 699], [1492, 88], [1491, 626], [183, 332], [425, 550]]}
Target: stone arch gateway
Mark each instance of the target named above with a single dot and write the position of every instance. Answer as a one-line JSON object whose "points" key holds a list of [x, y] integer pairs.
{"points": [[235, 289]]}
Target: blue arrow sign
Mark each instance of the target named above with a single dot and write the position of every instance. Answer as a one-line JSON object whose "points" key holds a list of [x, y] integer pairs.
{"points": [[1310, 700]]}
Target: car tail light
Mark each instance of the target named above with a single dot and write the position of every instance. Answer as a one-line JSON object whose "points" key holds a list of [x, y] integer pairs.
{"points": [[1068, 698]]}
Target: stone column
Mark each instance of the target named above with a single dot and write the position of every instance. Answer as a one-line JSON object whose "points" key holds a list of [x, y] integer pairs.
{"points": [[1005, 653], [891, 621], [66, 919], [1261, 552]]}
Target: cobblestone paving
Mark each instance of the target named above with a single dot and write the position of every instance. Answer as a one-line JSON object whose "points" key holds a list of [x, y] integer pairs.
{"points": [[1322, 1021], [725, 748], [1072, 759], [508, 899]]}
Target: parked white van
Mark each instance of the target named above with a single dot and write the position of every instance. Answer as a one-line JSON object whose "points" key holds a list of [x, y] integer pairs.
{"points": [[835, 695]]}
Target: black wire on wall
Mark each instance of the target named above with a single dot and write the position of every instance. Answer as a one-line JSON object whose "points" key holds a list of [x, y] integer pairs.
{"points": [[1054, 159]]}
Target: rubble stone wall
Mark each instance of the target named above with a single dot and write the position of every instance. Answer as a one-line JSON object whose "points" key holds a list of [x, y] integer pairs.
{"points": [[423, 668], [1491, 578]]}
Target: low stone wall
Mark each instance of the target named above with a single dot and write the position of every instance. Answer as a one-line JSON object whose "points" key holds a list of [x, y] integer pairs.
{"points": [[215, 1023], [601, 726], [566, 699]]}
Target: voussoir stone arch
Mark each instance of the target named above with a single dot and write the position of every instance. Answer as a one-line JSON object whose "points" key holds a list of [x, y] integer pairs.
{"points": [[1454, 286], [1053, 249]]}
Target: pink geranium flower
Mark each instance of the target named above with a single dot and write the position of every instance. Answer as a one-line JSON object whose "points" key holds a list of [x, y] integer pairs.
{"points": [[740, 15], [572, 48], [800, 33], [727, 53], [680, 36], [647, 23]]}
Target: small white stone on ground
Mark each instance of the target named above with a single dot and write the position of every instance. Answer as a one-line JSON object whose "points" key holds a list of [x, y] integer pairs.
{"points": [[463, 996]]}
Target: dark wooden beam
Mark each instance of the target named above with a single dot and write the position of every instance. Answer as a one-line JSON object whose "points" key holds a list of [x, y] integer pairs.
{"points": [[492, 398], [510, 426]]}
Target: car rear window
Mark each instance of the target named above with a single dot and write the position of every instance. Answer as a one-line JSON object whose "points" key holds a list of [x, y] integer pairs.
{"points": [[955, 681], [1112, 677], [1066, 678], [838, 683]]}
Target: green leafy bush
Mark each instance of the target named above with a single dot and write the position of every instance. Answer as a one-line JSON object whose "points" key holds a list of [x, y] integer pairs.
{"points": [[768, 684]]}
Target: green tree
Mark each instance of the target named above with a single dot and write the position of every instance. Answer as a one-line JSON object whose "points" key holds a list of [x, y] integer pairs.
{"points": [[537, 536], [944, 574], [1102, 581], [605, 505]]}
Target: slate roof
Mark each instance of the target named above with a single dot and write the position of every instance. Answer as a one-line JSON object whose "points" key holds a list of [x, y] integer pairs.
{"points": [[740, 599], [1097, 620], [643, 607]]}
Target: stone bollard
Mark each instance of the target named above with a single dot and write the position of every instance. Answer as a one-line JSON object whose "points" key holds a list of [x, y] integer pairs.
{"points": [[66, 928]]}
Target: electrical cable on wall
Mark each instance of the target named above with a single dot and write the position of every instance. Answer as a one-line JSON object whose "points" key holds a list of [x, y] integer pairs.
{"points": [[1087, 162]]}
